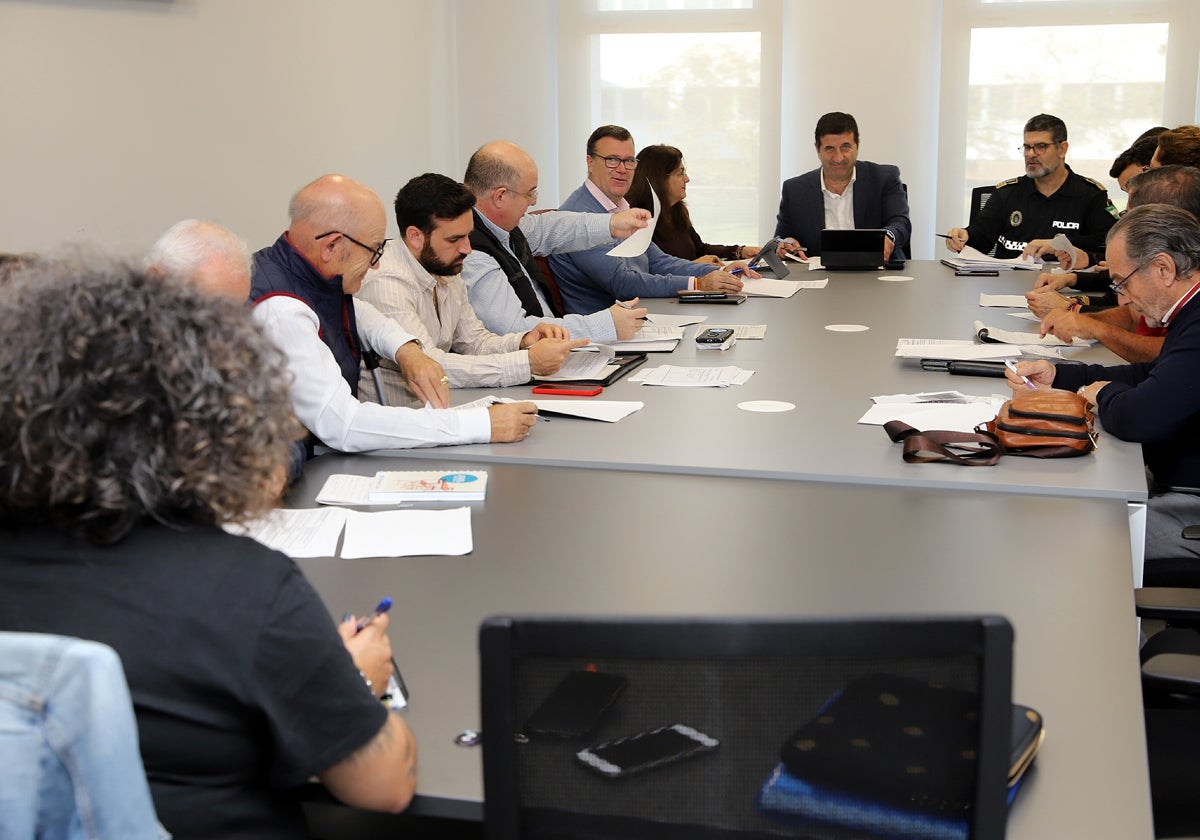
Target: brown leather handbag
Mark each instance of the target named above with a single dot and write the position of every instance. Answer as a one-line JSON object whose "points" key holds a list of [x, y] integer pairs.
{"points": [[1046, 423]]}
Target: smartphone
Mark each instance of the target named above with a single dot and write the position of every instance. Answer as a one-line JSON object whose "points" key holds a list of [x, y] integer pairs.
{"points": [[646, 750], [976, 272], [576, 704], [713, 335], [569, 390]]}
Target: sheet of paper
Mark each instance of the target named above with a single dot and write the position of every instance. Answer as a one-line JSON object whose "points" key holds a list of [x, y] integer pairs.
{"points": [[926, 397], [610, 411], [944, 348], [1030, 339], [651, 338], [814, 264], [637, 244], [1061, 243], [800, 259], [743, 331], [587, 362], [307, 532], [924, 416], [660, 320], [811, 284], [407, 533], [692, 377], [346, 490], [1026, 316], [766, 287], [1016, 301]]}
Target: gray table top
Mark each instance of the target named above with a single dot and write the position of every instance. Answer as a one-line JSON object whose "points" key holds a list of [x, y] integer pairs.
{"points": [[579, 541], [830, 377]]}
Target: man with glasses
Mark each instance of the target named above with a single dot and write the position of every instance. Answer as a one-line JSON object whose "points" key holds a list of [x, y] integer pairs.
{"points": [[1025, 213], [1154, 259], [417, 286], [843, 193], [592, 280], [507, 288], [302, 292]]}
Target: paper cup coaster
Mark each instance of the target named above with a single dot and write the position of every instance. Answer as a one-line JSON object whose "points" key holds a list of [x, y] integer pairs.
{"points": [[847, 327], [766, 405]]}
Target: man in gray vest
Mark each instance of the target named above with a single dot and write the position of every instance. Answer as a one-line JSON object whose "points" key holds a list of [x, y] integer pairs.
{"points": [[505, 285]]}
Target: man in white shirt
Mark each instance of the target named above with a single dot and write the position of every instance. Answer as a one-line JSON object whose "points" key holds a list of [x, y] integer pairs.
{"points": [[507, 289], [302, 293], [418, 286]]}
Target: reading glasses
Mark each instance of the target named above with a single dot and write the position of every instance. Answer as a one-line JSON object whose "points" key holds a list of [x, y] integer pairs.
{"points": [[376, 251]]}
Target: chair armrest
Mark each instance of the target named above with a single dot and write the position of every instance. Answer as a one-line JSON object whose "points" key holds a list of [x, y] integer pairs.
{"points": [[1168, 603], [1172, 672]]}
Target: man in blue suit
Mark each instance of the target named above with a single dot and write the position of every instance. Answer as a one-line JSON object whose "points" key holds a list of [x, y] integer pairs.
{"points": [[591, 280], [843, 193]]}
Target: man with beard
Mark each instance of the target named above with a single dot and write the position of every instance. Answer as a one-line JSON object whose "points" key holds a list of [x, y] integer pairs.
{"points": [[418, 286], [1025, 213]]}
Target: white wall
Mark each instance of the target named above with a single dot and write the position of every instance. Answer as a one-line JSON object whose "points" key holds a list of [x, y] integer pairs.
{"points": [[123, 116]]}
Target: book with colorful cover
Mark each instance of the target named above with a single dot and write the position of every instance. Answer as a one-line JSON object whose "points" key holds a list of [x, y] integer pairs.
{"points": [[428, 486]]}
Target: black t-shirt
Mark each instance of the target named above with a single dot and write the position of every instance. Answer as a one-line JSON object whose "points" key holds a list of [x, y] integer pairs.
{"points": [[241, 686], [1017, 213]]}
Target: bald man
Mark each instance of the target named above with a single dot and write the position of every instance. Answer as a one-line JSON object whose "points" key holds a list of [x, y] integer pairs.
{"points": [[302, 289], [505, 286], [206, 254]]}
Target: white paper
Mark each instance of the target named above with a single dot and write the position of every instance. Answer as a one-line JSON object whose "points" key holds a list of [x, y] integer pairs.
{"points": [[812, 284], [970, 257], [946, 348], [692, 377], [637, 244], [307, 532], [926, 397], [346, 490], [587, 362], [610, 411], [955, 417], [1015, 301], [743, 331], [1061, 243], [767, 287], [651, 338], [407, 533], [660, 320], [1030, 339]]}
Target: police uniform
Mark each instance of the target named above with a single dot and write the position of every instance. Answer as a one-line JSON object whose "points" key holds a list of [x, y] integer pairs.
{"points": [[1017, 213]]}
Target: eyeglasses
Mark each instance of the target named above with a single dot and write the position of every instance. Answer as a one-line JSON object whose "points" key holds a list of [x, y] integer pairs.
{"points": [[1116, 287], [376, 251], [1036, 148], [612, 162], [530, 196]]}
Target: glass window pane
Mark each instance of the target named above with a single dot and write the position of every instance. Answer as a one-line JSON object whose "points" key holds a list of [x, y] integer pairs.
{"points": [[699, 92], [1105, 81]]}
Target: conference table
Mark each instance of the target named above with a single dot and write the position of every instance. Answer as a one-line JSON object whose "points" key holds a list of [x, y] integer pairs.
{"points": [[692, 506]]}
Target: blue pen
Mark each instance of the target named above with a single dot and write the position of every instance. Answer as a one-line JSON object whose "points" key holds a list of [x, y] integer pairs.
{"points": [[1008, 363], [737, 271], [384, 605]]}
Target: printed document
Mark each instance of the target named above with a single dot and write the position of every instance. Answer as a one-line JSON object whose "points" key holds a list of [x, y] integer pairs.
{"points": [[637, 244], [307, 532], [949, 348], [692, 377]]}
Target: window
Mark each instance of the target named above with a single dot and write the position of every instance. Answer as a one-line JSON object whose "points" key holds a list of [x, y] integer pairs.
{"points": [[687, 73]]}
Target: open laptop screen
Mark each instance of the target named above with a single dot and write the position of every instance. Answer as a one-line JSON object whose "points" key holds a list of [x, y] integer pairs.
{"points": [[852, 250]]}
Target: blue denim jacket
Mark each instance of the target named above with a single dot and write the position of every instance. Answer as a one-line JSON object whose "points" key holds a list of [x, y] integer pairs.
{"points": [[67, 734]]}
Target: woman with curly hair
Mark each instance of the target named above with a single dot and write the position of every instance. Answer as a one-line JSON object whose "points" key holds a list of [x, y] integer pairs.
{"points": [[661, 168], [140, 416]]}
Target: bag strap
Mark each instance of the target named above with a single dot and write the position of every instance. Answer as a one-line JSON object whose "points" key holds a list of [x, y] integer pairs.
{"points": [[970, 449]]}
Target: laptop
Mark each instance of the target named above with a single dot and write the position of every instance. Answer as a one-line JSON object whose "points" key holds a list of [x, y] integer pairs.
{"points": [[673, 727], [853, 250]]}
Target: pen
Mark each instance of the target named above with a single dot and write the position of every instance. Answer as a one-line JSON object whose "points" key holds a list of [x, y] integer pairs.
{"points": [[737, 271], [1008, 363], [384, 605], [625, 305]]}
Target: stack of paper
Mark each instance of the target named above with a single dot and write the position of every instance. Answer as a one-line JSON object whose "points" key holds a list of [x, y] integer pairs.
{"points": [[950, 348], [970, 257], [587, 362], [651, 338], [950, 410], [1027, 339], [692, 377]]}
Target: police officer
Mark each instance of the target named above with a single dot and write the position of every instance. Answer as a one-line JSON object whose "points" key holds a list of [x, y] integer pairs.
{"points": [[1025, 213]]}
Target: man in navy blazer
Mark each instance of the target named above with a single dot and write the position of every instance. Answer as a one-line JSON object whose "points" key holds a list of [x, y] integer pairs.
{"points": [[843, 193]]}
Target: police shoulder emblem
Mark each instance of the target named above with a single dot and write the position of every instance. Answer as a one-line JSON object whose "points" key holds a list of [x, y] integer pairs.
{"points": [[1015, 218]]}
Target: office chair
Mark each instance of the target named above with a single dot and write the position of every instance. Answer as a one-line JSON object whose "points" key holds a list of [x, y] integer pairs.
{"points": [[69, 742], [674, 728], [979, 198], [550, 283]]}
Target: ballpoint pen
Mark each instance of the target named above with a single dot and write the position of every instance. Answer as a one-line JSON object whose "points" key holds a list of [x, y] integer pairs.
{"points": [[1008, 363], [625, 305], [384, 605], [396, 684]]}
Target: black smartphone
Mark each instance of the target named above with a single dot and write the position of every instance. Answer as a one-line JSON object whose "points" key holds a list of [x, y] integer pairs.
{"points": [[713, 335], [646, 750], [700, 294], [576, 704], [976, 272]]}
